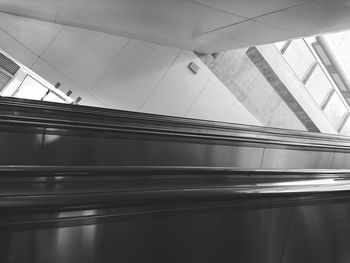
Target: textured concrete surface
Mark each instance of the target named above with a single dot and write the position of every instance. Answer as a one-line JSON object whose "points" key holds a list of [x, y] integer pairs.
{"points": [[266, 85], [252, 89], [298, 93], [276, 83]]}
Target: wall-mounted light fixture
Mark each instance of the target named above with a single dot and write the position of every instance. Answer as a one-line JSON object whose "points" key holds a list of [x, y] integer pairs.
{"points": [[77, 100], [193, 67], [57, 85]]}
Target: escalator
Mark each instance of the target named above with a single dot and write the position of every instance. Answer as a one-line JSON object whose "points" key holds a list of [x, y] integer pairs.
{"points": [[80, 184]]}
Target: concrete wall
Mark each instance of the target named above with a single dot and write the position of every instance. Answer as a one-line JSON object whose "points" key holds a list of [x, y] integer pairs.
{"points": [[246, 82], [266, 85], [120, 73], [296, 89]]}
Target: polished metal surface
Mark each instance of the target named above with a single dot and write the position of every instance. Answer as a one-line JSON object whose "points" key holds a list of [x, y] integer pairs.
{"points": [[171, 214], [38, 133], [31, 188], [290, 158], [341, 160], [319, 233], [79, 184], [246, 236]]}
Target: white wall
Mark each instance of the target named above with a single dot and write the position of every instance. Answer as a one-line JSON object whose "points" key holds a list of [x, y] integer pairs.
{"points": [[120, 73]]}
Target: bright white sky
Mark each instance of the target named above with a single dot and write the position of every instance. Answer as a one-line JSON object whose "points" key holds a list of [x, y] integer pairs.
{"points": [[341, 43]]}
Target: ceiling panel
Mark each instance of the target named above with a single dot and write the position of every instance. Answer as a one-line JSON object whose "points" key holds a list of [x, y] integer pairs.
{"points": [[23, 29], [157, 20], [183, 14], [209, 43], [237, 36], [205, 25], [41, 9], [251, 8], [253, 32], [16, 49], [134, 74], [93, 52], [320, 16]]}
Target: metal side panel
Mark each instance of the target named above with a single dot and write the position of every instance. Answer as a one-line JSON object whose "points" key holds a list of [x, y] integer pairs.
{"points": [[341, 160], [77, 135], [296, 159], [319, 233], [141, 150], [159, 214], [20, 147], [232, 236]]}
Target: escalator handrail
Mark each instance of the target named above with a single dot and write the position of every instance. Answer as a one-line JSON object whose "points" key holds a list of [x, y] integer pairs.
{"points": [[19, 112]]}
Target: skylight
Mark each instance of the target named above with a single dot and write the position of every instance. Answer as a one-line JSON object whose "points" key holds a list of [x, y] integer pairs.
{"points": [[18, 81]]}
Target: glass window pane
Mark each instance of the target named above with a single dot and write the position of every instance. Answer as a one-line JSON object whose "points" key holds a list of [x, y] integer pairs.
{"points": [[299, 57], [318, 85], [335, 110], [31, 89], [280, 45], [346, 129], [54, 98], [4, 79], [14, 84]]}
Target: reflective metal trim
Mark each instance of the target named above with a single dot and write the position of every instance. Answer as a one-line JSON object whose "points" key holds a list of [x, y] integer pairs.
{"points": [[50, 115]]}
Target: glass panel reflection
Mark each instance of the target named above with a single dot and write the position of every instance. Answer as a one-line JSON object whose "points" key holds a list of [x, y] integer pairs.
{"points": [[18, 81], [31, 89], [53, 98], [299, 57], [280, 45], [318, 85], [335, 110]]}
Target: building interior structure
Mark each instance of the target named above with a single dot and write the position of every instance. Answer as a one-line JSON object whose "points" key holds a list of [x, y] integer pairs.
{"points": [[174, 131]]}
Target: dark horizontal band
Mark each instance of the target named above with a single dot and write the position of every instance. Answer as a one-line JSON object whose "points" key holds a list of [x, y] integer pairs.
{"points": [[45, 187], [82, 118]]}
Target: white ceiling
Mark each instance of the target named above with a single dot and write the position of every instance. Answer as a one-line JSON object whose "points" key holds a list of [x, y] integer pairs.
{"points": [[202, 25]]}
